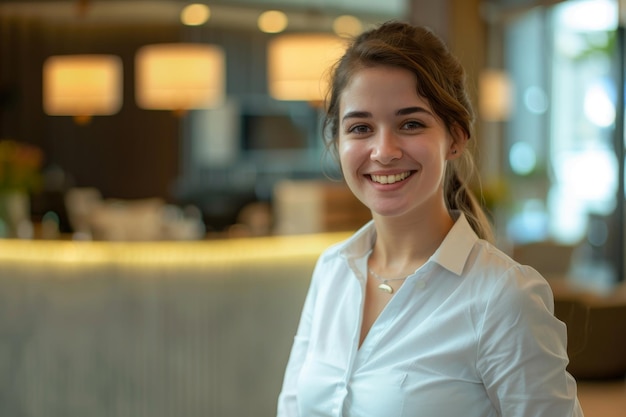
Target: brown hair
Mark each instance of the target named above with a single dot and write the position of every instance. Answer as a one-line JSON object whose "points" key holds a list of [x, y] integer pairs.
{"points": [[441, 81]]}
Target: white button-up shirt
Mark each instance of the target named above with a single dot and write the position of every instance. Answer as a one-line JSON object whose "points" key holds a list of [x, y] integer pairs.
{"points": [[471, 333]]}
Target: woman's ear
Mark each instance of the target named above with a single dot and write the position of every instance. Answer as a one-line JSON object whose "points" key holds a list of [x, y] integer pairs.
{"points": [[458, 142]]}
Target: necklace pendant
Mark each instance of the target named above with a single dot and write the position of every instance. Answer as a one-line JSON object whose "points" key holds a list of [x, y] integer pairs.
{"points": [[386, 288]]}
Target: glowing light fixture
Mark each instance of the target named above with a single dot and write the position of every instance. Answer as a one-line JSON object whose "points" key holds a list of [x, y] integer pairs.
{"points": [[195, 14], [297, 65], [347, 26], [272, 21], [495, 101], [82, 86], [179, 76]]}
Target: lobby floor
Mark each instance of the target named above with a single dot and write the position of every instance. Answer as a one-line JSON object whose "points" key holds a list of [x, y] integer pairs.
{"points": [[603, 398]]}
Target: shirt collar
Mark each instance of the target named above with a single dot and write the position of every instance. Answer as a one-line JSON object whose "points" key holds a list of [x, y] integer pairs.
{"points": [[361, 243], [452, 254]]}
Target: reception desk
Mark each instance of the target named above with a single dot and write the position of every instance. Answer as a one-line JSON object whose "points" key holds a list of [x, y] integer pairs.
{"points": [[173, 329], [159, 329]]}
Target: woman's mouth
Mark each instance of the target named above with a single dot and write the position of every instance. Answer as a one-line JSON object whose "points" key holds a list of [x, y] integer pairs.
{"points": [[390, 179]]}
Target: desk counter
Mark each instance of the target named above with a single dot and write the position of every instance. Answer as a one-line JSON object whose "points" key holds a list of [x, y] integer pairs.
{"points": [[157, 329]]}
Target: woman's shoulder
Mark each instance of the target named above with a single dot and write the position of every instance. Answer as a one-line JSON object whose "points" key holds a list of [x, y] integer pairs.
{"points": [[495, 271], [488, 256]]}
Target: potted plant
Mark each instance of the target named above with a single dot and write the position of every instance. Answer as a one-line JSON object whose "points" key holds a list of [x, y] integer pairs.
{"points": [[20, 175]]}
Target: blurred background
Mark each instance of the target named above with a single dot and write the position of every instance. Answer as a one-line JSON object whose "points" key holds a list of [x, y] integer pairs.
{"points": [[193, 130], [543, 75]]}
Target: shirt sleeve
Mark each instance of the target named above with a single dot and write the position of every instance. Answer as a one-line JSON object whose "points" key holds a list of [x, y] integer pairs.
{"points": [[287, 400], [522, 355]]}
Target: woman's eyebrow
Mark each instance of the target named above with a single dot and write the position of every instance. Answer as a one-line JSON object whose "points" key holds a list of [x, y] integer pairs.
{"points": [[356, 115], [411, 110]]}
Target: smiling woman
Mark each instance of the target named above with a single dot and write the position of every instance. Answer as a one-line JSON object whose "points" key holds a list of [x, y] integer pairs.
{"points": [[417, 313], [392, 147]]}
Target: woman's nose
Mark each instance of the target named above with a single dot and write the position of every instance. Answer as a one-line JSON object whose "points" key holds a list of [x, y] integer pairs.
{"points": [[386, 148]]}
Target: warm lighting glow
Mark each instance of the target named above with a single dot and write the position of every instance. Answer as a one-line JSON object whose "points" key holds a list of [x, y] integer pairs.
{"points": [[207, 253], [179, 76], [298, 65], [272, 21], [347, 26], [496, 95], [82, 85], [195, 14]]}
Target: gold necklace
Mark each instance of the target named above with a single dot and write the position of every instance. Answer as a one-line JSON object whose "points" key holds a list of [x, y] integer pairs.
{"points": [[384, 286]]}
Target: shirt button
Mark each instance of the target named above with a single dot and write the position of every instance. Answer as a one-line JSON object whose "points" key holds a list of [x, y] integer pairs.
{"points": [[421, 284]]}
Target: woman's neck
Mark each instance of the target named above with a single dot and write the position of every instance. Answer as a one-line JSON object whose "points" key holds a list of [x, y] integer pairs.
{"points": [[404, 244]]}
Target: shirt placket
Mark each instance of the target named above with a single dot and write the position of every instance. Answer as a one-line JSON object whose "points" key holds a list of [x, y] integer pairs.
{"points": [[389, 315], [358, 266]]}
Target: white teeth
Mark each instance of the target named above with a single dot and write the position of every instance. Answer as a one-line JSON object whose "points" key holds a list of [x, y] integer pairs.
{"points": [[389, 179]]}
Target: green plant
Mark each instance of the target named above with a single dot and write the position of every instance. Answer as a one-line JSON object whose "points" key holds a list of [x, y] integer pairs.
{"points": [[20, 166]]}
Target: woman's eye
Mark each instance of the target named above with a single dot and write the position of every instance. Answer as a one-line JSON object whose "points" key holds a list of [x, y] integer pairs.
{"points": [[359, 129], [412, 125]]}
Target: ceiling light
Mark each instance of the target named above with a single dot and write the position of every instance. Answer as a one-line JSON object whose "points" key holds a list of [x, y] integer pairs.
{"points": [[180, 76], [297, 65], [82, 86], [347, 26], [272, 21], [195, 14]]}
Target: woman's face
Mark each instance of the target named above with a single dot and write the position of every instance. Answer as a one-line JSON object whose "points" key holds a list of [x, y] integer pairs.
{"points": [[392, 147]]}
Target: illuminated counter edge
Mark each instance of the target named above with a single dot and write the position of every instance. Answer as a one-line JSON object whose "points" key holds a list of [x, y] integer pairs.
{"points": [[209, 252]]}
